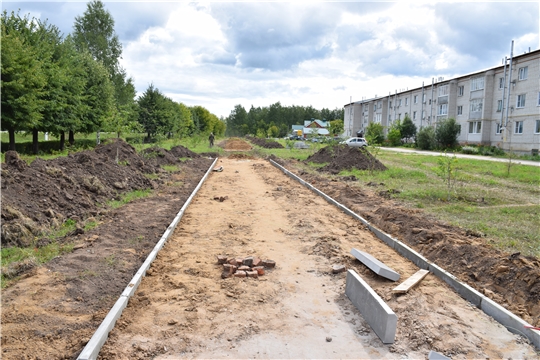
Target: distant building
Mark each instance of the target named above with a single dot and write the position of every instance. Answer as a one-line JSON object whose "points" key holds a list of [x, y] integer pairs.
{"points": [[313, 126], [478, 101]]}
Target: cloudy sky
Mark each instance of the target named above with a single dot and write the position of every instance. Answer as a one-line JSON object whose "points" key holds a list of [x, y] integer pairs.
{"points": [[220, 54]]}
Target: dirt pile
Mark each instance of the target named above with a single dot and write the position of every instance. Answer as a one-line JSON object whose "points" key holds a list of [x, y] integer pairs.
{"points": [[342, 157], [235, 144], [183, 152], [265, 143], [46, 193]]}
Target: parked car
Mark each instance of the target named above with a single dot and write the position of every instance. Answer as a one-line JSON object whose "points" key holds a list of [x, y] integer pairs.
{"points": [[355, 142], [295, 137]]}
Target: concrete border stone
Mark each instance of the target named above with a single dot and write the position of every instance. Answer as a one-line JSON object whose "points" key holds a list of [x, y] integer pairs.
{"points": [[92, 348], [511, 321], [374, 310]]}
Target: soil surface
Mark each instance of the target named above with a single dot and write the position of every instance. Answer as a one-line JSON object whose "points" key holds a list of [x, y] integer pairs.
{"points": [[184, 309], [342, 157], [265, 143]]}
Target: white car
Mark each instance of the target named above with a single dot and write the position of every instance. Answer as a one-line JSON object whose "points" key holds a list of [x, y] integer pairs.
{"points": [[355, 142]]}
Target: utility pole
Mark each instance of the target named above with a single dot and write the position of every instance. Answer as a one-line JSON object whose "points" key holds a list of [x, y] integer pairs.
{"points": [[422, 107]]}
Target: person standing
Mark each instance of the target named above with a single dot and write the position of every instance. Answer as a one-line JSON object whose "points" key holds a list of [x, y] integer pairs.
{"points": [[211, 139]]}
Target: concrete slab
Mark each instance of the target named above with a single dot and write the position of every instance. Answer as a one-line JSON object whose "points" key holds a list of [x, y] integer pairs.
{"points": [[375, 265], [433, 355], [377, 313]]}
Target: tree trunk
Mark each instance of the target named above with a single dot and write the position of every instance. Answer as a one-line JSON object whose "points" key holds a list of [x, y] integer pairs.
{"points": [[35, 142], [71, 138], [62, 140], [11, 139]]}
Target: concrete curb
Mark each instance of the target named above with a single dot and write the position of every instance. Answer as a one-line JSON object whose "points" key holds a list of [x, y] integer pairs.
{"points": [[512, 322], [92, 348]]}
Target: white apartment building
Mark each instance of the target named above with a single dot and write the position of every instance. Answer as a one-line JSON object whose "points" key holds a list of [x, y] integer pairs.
{"points": [[495, 106]]}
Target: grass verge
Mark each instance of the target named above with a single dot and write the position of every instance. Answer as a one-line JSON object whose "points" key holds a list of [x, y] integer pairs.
{"points": [[128, 197]]}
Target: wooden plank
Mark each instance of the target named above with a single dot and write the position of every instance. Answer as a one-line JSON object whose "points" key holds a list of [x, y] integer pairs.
{"points": [[410, 282]]}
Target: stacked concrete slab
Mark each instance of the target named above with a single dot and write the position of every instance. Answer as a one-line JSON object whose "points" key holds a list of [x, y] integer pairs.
{"points": [[378, 267]]}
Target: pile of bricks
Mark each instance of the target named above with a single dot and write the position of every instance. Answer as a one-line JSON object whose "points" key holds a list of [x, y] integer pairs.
{"points": [[250, 266]]}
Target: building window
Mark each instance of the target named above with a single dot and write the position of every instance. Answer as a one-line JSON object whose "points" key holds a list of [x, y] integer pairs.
{"points": [[518, 129], [399, 102], [416, 98], [475, 127], [406, 101], [477, 83], [476, 105], [501, 83], [379, 105], [520, 101], [399, 116], [461, 90], [414, 115], [390, 104], [374, 107], [523, 72], [443, 90], [537, 127], [443, 109], [460, 110], [499, 129], [499, 105], [538, 99], [424, 98]]}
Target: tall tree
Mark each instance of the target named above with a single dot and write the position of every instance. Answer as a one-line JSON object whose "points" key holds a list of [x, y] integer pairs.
{"points": [[94, 32], [23, 78]]}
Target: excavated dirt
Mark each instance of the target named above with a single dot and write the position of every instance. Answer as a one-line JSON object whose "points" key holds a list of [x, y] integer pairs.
{"points": [[234, 144], [265, 143], [342, 157], [513, 280]]}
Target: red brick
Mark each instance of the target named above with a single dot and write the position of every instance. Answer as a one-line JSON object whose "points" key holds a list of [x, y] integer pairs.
{"points": [[226, 274], [244, 268], [240, 274], [221, 259], [259, 269], [239, 261], [232, 261], [230, 268], [269, 263], [253, 274], [257, 262]]}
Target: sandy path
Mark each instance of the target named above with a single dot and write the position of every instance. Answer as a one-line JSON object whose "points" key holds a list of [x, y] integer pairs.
{"points": [[184, 308]]}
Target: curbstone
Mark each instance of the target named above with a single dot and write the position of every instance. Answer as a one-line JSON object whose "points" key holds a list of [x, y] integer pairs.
{"points": [[374, 310], [378, 267]]}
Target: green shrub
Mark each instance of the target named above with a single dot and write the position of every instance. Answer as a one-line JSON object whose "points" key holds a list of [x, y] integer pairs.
{"points": [[375, 134], [425, 139], [446, 133], [469, 150]]}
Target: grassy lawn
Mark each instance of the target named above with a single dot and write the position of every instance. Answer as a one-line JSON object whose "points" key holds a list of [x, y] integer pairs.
{"points": [[485, 198]]}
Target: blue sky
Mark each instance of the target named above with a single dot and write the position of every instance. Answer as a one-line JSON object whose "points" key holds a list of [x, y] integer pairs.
{"points": [[220, 54]]}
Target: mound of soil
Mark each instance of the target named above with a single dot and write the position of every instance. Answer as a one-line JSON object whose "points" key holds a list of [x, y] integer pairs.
{"points": [[44, 194], [265, 143], [235, 144], [342, 157], [183, 152]]}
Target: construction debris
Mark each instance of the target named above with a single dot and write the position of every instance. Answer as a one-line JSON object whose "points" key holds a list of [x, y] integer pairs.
{"points": [[251, 266]]}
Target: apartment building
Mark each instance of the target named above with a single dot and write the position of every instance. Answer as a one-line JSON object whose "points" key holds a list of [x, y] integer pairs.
{"points": [[495, 106]]}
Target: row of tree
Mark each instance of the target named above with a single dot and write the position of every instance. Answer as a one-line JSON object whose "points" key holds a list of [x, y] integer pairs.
{"points": [[56, 84], [274, 120]]}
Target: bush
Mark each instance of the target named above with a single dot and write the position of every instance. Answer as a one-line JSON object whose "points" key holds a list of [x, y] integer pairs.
{"points": [[425, 139], [469, 150], [447, 133], [394, 137], [375, 134]]}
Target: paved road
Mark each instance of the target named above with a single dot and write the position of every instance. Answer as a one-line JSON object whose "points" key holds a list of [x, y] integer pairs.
{"points": [[463, 156]]}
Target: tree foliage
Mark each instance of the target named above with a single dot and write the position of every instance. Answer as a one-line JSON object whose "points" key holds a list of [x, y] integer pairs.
{"points": [[425, 139], [375, 134], [261, 120], [336, 127], [446, 133], [407, 128]]}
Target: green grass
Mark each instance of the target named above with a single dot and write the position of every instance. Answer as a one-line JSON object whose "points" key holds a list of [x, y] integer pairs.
{"points": [[170, 168], [128, 197], [152, 176]]}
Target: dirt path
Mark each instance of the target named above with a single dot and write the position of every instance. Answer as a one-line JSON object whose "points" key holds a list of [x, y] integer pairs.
{"points": [[184, 309]]}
